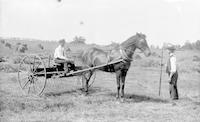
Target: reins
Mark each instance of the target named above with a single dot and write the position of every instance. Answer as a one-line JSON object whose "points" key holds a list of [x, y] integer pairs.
{"points": [[123, 51]]}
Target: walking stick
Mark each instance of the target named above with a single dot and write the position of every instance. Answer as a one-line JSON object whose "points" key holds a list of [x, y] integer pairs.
{"points": [[160, 72]]}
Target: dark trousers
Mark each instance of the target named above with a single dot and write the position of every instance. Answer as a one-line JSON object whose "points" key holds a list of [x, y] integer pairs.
{"points": [[173, 87], [67, 65]]}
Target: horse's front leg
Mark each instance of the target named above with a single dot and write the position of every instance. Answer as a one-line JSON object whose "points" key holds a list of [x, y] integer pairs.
{"points": [[123, 78], [85, 80], [118, 74]]}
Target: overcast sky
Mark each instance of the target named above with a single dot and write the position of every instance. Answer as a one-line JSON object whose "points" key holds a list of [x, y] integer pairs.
{"points": [[102, 21]]}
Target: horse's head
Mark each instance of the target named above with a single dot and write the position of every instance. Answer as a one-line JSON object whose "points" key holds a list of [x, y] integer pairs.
{"points": [[142, 44]]}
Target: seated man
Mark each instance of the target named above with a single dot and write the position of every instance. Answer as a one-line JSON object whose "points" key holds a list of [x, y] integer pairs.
{"points": [[60, 57]]}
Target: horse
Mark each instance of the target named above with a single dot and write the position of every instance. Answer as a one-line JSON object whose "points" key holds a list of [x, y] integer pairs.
{"points": [[96, 56]]}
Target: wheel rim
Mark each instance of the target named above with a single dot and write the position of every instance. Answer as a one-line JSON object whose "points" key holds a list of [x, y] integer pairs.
{"points": [[29, 82]]}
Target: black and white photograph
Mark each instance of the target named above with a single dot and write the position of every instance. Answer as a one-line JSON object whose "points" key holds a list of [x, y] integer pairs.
{"points": [[99, 60]]}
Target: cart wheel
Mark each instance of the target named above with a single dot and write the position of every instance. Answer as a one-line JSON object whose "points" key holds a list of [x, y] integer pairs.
{"points": [[29, 81]]}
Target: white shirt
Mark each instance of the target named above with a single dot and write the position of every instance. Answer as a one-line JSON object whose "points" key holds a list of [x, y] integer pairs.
{"points": [[173, 62], [60, 53]]}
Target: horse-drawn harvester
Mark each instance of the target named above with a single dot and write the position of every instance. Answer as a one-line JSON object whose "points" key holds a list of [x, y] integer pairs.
{"points": [[35, 70]]}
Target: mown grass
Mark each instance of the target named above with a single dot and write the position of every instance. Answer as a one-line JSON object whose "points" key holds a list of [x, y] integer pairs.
{"points": [[64, 101]]}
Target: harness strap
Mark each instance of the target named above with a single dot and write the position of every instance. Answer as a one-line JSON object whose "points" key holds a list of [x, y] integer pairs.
{"points": [[108, 58], [124, 55]]}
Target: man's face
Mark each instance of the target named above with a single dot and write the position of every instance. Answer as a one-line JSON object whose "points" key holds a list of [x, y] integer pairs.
{"points": [[62, 44], [170, 51]]}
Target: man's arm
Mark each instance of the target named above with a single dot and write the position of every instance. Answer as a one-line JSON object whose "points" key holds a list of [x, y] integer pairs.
{"points": [[60, 54]]}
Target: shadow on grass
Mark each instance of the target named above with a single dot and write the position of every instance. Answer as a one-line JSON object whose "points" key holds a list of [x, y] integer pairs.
{"points": [[141, 98], [79, 91], [98, 90]]}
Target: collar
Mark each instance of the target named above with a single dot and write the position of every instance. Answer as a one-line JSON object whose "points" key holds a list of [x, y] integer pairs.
{"points": [[171, 54], [124, 55], [60, 46]]}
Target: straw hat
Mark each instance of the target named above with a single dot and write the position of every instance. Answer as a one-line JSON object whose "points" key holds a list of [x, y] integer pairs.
{"points": [[170, 47]]}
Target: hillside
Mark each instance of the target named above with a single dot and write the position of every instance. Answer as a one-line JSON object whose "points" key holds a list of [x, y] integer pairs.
{"points": [[63, 99]]}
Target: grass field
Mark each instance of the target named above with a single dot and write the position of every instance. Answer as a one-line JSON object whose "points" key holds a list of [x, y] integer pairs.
{"points": [[63, 100]]}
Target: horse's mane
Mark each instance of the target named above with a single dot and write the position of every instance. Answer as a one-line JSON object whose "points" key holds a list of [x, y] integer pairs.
{"points": [[84, 55], [132, 39]]}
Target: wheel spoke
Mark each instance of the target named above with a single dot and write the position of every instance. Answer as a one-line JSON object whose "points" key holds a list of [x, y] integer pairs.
{"points": [[37, 67], [33, 84], [34, 87], [23, 79], [30, 68], [25, 84], [34, 63], [30, 82], [29, 88]]}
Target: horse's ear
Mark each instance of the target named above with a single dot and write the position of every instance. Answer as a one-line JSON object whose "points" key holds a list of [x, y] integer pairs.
{"points": [[144, 36], [137, 34]]}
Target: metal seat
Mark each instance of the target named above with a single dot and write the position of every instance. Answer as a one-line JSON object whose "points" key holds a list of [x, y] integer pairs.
{"points": [[56, 64]]}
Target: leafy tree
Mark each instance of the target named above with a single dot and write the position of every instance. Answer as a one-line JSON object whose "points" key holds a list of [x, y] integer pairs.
{"points": [[78, 40], [187, 45], [190, 46]]}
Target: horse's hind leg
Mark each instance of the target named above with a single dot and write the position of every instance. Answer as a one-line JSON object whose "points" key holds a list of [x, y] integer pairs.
{"points": [[123, 77], [118, 74]]}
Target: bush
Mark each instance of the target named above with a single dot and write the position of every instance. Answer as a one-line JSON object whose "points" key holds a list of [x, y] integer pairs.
{"points": [[196, 58], [8, 45], [2, 42], [21, 48], [40, 46], [16, 59], [190, 46]]}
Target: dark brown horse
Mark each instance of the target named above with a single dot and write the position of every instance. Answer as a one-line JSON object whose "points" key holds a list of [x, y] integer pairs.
{"points": [[94, 57]]}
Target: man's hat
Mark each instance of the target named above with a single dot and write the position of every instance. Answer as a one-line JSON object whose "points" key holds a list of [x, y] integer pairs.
{"points": [[61, 41], [170, 47]]}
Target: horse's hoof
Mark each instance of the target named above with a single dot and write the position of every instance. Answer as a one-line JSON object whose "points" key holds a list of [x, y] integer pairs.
{"points": [[122, 100], [86, 94], [117, 102]]}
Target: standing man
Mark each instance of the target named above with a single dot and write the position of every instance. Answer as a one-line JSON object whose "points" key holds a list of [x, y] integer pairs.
{"points": [[171, 69], [60, 56]]}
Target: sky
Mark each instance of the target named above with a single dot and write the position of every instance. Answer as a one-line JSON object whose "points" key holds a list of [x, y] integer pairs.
{"points": [[102, 21]]}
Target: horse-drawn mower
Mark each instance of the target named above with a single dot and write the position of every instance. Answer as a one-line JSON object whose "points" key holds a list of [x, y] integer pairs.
{"points": [[35, 70]]}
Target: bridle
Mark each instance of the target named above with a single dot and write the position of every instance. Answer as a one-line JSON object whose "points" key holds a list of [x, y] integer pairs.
{"points": [[124, 49]]}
